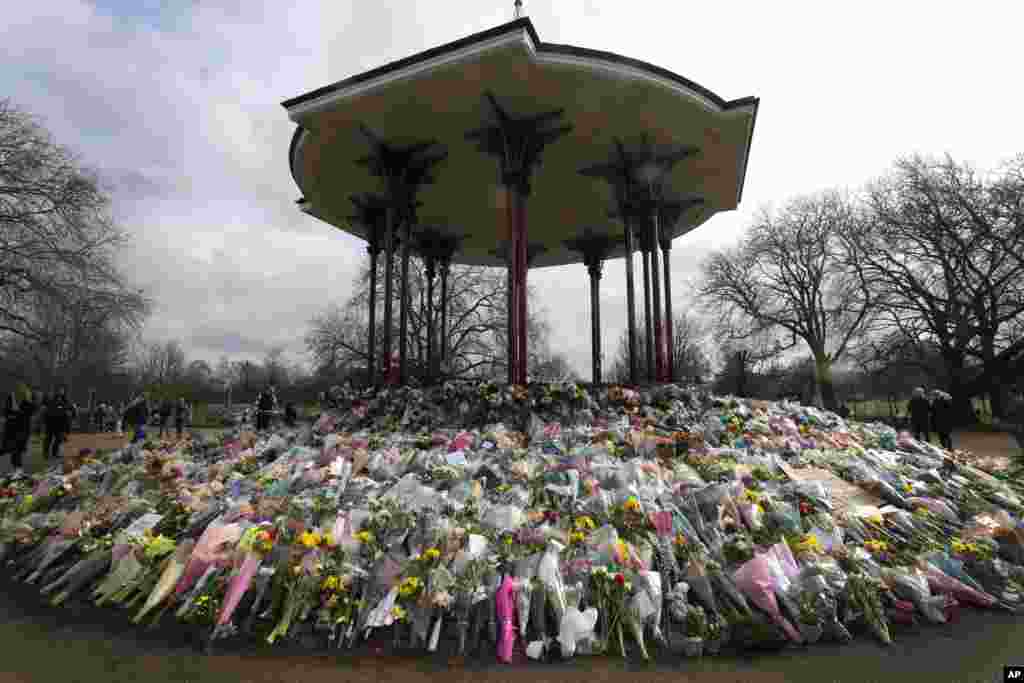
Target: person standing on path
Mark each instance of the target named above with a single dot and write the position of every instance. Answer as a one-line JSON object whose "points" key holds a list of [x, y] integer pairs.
{"points": [[121, 424], [136, 416], [264, 404], [181, 412], [57, 417], [10, 411], [920, 415], [942, 417], [18, 427], [166, 409]]}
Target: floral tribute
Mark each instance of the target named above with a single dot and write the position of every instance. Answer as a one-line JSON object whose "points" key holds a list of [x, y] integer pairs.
{"points": [[550, 520]]}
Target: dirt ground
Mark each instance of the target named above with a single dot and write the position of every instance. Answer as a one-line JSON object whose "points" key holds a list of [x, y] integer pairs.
{"points": [[991, 450]]}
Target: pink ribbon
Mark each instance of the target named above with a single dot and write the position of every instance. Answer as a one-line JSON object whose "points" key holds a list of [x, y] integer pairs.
{"points": [[505, 601]]}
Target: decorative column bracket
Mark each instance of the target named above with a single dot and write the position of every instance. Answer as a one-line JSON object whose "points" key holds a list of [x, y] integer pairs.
{"points": [[637, 177], [404, 170], [436, 248], [371, 213], [517, 143], [595, 248]]}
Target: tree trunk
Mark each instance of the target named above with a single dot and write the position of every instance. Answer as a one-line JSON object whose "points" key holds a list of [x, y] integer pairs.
{"points": [[824, 390]]}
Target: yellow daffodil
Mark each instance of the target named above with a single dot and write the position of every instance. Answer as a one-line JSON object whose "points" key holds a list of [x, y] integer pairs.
{"points": [[751, 496], [431, 554], [808, 544], [577, 537], [364, 537], [397, 613], [631, 504], [876, 546], [330, 583], [875, 519], [409, 586], [908, 488], [585, 523], [328, 540]]}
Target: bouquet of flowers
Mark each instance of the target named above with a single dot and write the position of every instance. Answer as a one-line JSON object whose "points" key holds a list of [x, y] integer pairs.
{"points": [[611, 590], [172, 571], [300, 584], [756, 580], [256, 543], [864, 594]]}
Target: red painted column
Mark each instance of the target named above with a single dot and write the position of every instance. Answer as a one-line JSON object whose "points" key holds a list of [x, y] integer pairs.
{"points": [[648, 320], [371, 355], [519, 270], [670, 370], [659, 331], [630, 303], [389, 281]]}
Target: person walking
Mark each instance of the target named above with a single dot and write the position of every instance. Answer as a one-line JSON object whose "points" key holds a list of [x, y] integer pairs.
{"points": [[57, 417], [920, 415], [181, 412], [136, 416], [942, 417], [166, 409], [264, 404], [18, 427], [10, 410]]}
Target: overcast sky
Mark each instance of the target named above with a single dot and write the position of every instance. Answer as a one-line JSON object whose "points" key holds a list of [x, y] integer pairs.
{"points": [[177, 104]]}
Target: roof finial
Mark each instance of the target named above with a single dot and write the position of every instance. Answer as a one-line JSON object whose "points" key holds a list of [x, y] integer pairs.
{"points": [[519, 8]]}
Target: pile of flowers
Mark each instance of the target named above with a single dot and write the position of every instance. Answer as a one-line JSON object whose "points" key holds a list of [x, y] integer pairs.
{"points": [[553, 520]]}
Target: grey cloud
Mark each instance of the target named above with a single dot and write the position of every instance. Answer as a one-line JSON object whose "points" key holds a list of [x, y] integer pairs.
{"points": [[215, 340]]}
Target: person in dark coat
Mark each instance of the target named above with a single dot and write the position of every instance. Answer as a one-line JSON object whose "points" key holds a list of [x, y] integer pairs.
{"points": [[942, 417], [291, 414], [136, 416], [180, 416], [18, 426], [166, 409], [10, 411], [57, 416], [264, 404], [920, 415]]}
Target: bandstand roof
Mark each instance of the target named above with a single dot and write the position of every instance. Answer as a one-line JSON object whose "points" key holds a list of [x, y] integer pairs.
{"points": [[438, 95]]}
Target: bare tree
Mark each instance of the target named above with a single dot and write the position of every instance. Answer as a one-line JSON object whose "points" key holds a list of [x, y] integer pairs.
{"points": [[477, 325], [160, 364], [275, 367], [943, 252], [789, 275], [57, 241], [553, 368], [689, 349]]}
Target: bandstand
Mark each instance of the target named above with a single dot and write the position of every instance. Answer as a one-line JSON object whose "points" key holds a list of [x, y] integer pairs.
{"points": [[535, 155]]}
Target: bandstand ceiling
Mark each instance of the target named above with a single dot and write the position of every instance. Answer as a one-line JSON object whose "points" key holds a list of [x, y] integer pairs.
{"points": [[438, 95]]}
